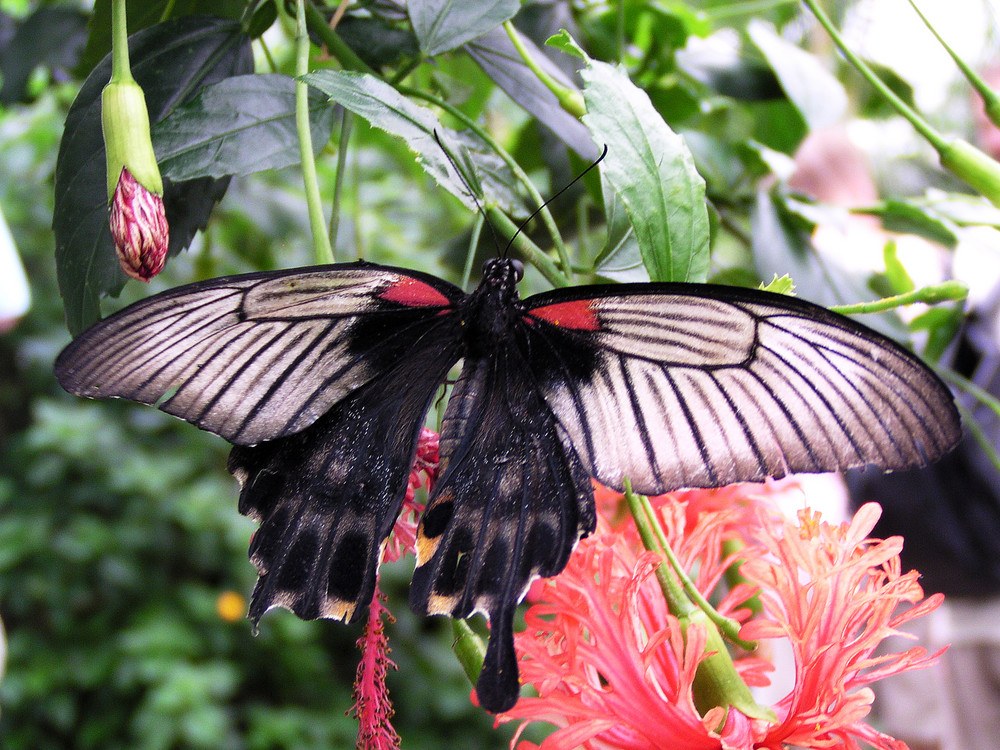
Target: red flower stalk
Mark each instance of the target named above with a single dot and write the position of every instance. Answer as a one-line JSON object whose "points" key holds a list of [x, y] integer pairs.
{"points": [[612, 669], [139, 228], [372, 706]]}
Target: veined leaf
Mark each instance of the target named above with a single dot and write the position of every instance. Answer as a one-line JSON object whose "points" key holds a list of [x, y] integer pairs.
{"points": [[238, 126], [653, 172]]}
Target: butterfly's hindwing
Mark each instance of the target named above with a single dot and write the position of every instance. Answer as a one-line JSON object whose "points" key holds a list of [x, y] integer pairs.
{"points": [[259, 356], [512, 502], [327, 497], [678, 385]]}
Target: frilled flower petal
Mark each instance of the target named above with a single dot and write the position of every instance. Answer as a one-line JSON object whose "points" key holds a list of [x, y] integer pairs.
{"points": [[612, 669]]}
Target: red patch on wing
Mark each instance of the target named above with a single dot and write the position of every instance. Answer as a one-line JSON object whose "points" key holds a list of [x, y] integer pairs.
{"points": [[578, 314], [413, 293]]}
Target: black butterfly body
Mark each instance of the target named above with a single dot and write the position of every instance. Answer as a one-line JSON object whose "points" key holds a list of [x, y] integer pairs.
{"points": [[322, 378]]}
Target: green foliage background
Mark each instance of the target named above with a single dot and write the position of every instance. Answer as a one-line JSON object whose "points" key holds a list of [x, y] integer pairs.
{"points": [[118, 524]]}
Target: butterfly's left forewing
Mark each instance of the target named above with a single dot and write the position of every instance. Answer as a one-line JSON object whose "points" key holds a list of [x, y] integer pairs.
{"points": [[675, 385]]}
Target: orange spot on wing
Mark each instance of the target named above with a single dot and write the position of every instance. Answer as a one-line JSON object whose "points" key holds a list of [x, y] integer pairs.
{"points": [[578, 314], [414, 293]]}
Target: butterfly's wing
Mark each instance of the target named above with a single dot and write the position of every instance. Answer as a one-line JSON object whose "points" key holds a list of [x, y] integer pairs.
{"points": [[511, 502], [677, 385], [322, 377], [257, 356]]}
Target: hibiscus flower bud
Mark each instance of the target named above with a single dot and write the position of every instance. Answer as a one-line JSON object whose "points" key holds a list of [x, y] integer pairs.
{"points": [[135, 189], [139, 228]]}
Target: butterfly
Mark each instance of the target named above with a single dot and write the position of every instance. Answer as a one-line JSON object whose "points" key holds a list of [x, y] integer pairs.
{"points": [[322, 378]]}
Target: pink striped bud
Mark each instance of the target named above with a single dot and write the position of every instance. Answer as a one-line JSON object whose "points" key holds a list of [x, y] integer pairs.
{"points": [[139, 228]]}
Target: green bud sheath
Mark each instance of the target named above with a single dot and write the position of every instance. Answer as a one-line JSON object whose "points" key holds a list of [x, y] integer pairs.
{"points": [[126, 136], [469, 649], [966, 161], [717, 683]]}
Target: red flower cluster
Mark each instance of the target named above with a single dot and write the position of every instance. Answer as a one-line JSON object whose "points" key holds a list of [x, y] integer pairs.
{"points": [[613, 670]]}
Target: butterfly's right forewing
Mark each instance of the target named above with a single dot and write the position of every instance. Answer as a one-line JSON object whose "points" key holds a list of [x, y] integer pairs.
{"points": [[259, 356]]}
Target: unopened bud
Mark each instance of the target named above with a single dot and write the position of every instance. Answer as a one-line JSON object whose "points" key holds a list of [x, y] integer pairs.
{"points": [[139, 228]]}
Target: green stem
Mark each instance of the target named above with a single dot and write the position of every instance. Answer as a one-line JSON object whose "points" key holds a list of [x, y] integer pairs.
{"points": [[569, 99], [121, 71], [652, 531], [168, 10], [526, 248], [987, 399], [716, 682], [673, 591], [346, 123], [991, 101], [938, 141], [321, 241], [332, 41], [544, 214], [944, 292], [957, 156], [470, 256]]}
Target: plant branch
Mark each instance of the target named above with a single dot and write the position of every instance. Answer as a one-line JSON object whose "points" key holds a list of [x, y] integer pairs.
{"points": [[322, 249]]}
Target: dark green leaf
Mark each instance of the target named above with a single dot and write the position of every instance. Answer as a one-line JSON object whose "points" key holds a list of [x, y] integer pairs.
{"points": [[653, 172], [262, 19], [385, 108], [171, 61], [238, 126], [728, 73], [53, 36], [496, 55], [376, 42], [442, 25], [144, 14], [818, 96]]}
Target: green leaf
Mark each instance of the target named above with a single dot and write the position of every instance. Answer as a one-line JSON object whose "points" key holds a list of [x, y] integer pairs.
{"points": [[895, 272], [170, 61], [621, 259], [816, 94], [262, 19], [378, 43], [651, 169], [901, 215], [238, 126], [385, 108], [563, 42], [442, 25], [780, 285]]}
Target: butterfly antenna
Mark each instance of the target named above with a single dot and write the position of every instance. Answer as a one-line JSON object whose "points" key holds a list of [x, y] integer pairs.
{"points": [[571, 183], [472, 193]]}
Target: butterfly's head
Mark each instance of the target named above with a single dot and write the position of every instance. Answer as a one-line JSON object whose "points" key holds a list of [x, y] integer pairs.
{"points": [[503, 274]]}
